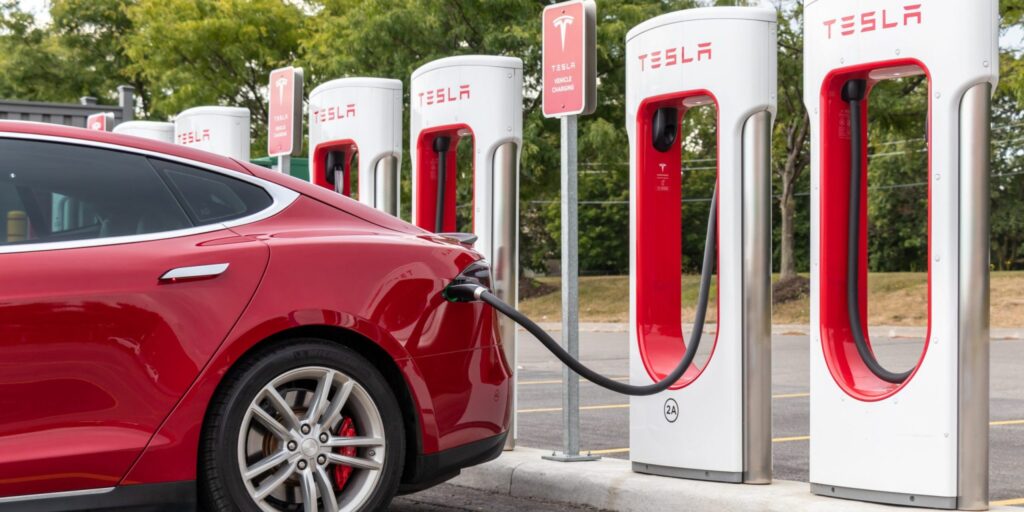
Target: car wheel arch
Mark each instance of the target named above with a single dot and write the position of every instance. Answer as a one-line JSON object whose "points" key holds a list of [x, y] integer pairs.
{"points": [[383, 361]]}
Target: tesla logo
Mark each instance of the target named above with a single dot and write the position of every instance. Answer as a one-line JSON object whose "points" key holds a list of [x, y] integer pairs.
{"points": [[334, 113], [444, 95], [281, 83], [671, 410], [193, 136], [562, 23], [674, 56], [871, 21]]}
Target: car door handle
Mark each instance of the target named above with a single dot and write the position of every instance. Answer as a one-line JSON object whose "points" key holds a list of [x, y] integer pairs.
{"points": [[192, 273]]}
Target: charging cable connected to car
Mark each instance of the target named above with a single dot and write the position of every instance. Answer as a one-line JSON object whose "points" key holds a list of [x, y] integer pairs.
{"points": [[473, 285]]}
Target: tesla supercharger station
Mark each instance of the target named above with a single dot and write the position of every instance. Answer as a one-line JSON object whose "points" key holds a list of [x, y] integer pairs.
{"points": [[220, 130], [715, 423], [482, 97], [361, 116], [155, 130], [918, 438]]}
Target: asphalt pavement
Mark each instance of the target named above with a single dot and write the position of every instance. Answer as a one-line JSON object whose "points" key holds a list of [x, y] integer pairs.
{"points": [[604, 416]]}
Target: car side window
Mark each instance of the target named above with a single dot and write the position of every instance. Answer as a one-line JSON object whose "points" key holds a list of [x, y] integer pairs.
{"points": [[210, 197], [54, 192]]}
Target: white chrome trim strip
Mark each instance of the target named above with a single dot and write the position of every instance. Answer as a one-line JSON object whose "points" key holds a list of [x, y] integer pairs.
{"points": [[193, 272], [55, 495], [282, 197]]}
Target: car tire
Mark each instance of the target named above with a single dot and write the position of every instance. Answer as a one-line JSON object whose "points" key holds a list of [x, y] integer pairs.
{"points": [[238, 438]]}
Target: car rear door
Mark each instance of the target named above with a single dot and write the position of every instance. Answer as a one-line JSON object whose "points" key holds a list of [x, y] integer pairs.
{"points": [[119, 277]]}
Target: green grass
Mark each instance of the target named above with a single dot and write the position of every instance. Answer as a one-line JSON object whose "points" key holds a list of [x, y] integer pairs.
{"points": [[894, 299]]}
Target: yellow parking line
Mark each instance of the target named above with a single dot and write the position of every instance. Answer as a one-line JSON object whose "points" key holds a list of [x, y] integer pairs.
{"points": [[559, 381], [1004, 423], [584, 408], [792, 395], [790, 439], [624, 406], [607, 452], [610, 451], [1007, 503]]}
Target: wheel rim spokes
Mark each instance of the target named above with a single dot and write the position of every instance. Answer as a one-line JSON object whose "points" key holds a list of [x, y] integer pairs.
{"points": [[265, 465], [273, 483], [333, 414], [323, 482], [320, 400], [355, 442], [309, 491], [288, 449], [270, 422], [354, 462]]}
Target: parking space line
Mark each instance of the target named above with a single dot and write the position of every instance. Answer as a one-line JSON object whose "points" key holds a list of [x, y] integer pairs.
{"points": [[609, 451], [790, 439], [1004, 423], [584, 408], [559, 381], [1007, 503], [626, 406], [792, 395]]}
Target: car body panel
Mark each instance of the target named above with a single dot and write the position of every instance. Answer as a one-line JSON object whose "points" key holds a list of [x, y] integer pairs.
{"points": [[325, 266], [97, 351]]}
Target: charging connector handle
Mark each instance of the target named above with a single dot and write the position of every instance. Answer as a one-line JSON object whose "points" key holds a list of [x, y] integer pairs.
{"points": [[468, 292], [853, 93]]}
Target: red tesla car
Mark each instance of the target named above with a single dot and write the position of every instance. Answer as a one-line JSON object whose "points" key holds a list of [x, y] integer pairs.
{"points": [[188, 331]]}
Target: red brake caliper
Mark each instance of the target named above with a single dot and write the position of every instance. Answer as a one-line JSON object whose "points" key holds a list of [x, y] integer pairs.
{"points": [[342, 472]]}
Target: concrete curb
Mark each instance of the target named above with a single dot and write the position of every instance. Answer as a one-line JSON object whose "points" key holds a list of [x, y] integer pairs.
{"points": [[609, 484]]}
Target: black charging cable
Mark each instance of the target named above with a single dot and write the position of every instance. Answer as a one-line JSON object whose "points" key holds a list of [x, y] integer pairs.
{"points": [[441, 145], [465, 292], [853, 93]]}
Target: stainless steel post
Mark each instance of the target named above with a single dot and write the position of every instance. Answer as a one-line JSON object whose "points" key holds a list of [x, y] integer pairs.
{"points": [[284, 164], [505, 257], [385, 185], [973, 367], [757, 299], [570, 296]]}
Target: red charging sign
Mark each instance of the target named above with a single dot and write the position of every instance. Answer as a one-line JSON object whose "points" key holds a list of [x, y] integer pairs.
{"points": [[568, 59], [284, 126], [102, 122]]}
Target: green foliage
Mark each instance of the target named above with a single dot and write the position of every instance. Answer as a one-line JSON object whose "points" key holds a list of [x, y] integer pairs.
{"points": [[212, 52], [33, 65], [184, 53]]}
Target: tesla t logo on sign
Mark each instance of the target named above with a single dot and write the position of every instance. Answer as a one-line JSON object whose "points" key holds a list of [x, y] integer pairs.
{"points": [[284, 126], [102, 122], [568, 59]]}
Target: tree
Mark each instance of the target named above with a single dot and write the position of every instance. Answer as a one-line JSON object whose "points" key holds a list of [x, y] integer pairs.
{"points": [[207, 52], [91, 33], [791, 135], [32, 63]]}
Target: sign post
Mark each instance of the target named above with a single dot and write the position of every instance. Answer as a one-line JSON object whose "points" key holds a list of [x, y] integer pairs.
{"points": [[284, 123], [569, 58], [103, 122]]}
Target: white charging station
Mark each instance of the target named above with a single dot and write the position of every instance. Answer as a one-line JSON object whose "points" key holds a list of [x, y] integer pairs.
{"points": [[715, 423], [921, 439], [155, 130], [482, 97], [220, 130], [363, 116]]}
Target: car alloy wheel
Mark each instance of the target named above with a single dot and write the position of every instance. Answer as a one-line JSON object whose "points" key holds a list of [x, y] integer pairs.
{"points": [[293, 452]]}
